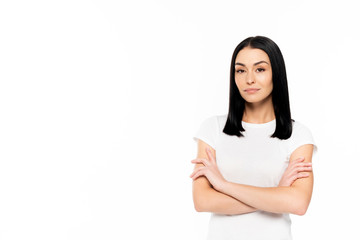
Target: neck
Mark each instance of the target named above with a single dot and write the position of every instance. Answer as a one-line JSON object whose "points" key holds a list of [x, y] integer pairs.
{"points": [[261, 112]]}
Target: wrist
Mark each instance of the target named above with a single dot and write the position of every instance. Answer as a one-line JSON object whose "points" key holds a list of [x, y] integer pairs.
{"points": [[222, 186]]}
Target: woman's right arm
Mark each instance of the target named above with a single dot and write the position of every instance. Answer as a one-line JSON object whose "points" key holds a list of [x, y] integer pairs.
{"points": [[207, 199]]}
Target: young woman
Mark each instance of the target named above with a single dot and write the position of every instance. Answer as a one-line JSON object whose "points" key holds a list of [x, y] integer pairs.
{"points": [[253, 166]]}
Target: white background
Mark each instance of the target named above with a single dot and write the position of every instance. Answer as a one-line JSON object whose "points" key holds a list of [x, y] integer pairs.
{"points": [[99, 101]]}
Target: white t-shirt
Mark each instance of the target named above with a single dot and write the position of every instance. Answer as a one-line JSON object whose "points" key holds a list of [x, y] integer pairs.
{"points": [[255, 159]]}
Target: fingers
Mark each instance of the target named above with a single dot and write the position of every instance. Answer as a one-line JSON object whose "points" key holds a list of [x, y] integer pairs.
{"points": [[300, 159], [301, 171], [210, 155], [295, 170], [298, 163], [304, 169], [204, 161], [197, 173], [301, 168], [300, 175]]}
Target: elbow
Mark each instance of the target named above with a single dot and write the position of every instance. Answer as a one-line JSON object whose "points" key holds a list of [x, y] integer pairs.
{"points": [[201, 202], [198, 208], [199, 205], [300, 209], [201, 198], [300, 212], [299, 203]]}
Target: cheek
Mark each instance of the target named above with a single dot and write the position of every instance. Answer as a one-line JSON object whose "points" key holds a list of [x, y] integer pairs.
{"points": [[267, 82], [238, 82], [239, 86], [270, 86]]}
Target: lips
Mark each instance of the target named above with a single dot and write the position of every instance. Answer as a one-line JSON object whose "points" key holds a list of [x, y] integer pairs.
{"points": [[252, 90]]}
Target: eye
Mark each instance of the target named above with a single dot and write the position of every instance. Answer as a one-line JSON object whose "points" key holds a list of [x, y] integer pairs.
{"points": [[260, 70], [240, 71]]}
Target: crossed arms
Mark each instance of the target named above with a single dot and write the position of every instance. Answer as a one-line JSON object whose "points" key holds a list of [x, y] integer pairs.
{"points": [[211, 193]]}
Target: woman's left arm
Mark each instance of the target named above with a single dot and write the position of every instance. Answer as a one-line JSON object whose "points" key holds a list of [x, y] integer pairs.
{"points": [[294, 199]]}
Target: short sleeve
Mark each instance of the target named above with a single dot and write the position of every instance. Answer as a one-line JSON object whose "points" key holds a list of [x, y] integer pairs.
{"points": [[208, 131], [301, 135]]}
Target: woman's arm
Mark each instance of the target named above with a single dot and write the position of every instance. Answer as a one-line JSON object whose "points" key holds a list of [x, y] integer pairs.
{"points": [[294, 199], [207, 199]]}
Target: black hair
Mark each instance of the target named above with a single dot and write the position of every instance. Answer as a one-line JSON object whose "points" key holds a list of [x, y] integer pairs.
{"points": [[280, 93]]}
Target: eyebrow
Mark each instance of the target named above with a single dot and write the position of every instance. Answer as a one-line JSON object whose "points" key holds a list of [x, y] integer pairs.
{"points": [[254, 63]]}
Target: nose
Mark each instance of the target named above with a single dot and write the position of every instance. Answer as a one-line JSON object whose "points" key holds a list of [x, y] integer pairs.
{"points": [[250, 78]]}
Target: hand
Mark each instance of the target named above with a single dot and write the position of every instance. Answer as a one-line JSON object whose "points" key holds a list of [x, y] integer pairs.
{"points": [[294, 171], [210, 170]]}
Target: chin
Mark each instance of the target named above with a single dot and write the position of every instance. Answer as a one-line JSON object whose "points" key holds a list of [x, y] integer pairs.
{"points": [[253, 100], [257, 99]]}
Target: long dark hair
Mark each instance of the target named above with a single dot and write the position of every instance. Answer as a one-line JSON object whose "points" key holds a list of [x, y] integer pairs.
{"points": [[280, 93]]}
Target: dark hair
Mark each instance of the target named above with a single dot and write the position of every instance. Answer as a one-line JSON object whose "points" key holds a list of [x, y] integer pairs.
{"points": [[280, 93]]}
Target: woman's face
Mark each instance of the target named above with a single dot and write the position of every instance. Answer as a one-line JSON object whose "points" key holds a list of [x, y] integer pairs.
{"points": [[253, 75]]}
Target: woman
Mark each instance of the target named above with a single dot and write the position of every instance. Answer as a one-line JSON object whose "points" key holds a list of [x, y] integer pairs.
{"points": [[253, 166]]}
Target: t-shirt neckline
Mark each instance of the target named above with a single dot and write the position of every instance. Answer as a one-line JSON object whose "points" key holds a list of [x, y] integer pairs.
{"points": [[258, 125]]}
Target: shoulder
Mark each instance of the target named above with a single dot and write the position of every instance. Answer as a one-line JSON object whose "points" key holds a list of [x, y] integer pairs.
{"points": [[215, 120], [300, 135], [221, 119], [299, 128], [213, 124], [209, 130]]}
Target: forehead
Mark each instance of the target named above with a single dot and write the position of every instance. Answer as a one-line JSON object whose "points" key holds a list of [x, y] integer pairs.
{"points": [[250, 56]]}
